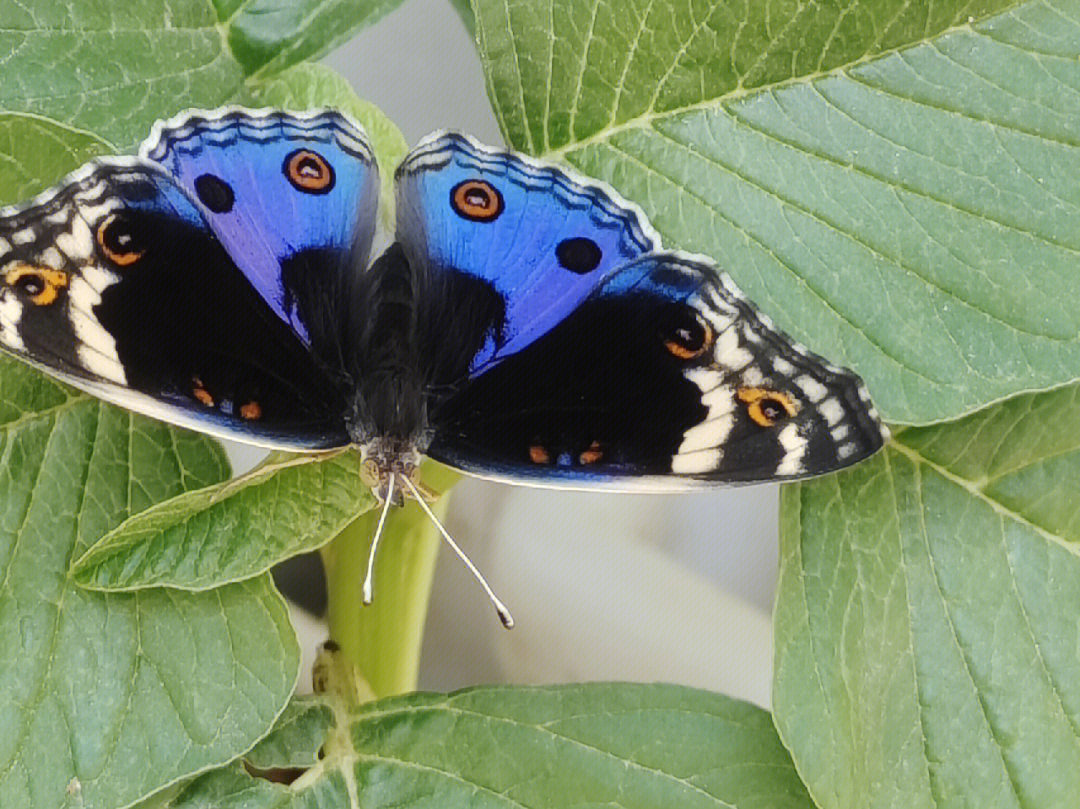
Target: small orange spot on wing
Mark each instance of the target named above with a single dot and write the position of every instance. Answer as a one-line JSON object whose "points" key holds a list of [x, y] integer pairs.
{"points": [[539, 454], [308, 171], [251, 411], [592, 454], [199, 391], [477, 200]]}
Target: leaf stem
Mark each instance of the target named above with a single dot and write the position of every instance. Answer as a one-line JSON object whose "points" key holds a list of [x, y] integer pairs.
{"points": [[382, 640]]}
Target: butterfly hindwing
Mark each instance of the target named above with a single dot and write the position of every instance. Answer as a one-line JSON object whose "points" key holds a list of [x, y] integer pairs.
{"points": [[542, 237], [113, 281], [664, 377], [289, 195]]}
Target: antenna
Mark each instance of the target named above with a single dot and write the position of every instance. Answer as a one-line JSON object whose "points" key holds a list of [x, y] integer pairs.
{"points": [[500, 608], [366, 591]]}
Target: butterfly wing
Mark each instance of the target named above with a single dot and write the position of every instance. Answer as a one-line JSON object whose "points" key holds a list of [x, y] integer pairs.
{"points": [[542, 237], [291, 196], [114, 281], [664, 377]]}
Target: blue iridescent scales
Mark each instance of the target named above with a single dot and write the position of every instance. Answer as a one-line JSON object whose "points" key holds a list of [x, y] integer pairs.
{"points": [[525, 323]]}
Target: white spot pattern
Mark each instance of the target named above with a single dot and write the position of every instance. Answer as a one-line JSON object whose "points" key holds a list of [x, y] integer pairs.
{"points": [[794, 446], [97, 348], [813, 389], [696, 463], [10, 315]]}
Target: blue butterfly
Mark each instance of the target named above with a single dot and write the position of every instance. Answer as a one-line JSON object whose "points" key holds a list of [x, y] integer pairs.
{"points": [[524, 324]]}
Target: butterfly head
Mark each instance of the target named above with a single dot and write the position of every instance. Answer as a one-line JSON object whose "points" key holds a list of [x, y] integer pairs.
{"points": [[386, 457]]}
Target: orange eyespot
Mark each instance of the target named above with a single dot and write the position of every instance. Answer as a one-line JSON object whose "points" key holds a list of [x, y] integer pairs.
{"points": [[539, 454], [119, 240], [476, 200], [42, 284], [766, 407], [592, 454], [686, 333], [309, 172], [251, 411]]}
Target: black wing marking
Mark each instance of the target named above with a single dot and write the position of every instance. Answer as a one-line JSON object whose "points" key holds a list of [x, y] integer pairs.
{"points": [[666, 377]]}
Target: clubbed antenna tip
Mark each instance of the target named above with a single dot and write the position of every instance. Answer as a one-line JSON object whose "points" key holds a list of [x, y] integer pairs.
{"points": [[504, 614]]}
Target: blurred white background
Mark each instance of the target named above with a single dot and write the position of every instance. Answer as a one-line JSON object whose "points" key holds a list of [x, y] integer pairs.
{"points": [[616, 587]]}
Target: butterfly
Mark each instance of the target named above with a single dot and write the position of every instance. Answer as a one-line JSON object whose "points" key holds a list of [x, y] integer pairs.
{"points": [[525, 323]]}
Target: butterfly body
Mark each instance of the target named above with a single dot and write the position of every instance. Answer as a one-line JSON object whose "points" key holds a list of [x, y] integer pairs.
{"points": [[525, 322]]}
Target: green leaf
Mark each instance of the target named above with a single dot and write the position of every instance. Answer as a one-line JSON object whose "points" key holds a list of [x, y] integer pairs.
{"points": [[623, 745], [897, 184], [926, 628], [112, 69], [230, 531], [297, 737], [34, 151], [108, 697], [266, 36]]}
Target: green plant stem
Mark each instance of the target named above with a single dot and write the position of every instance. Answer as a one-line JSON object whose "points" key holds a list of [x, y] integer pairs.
{"points": [[382, 639]]}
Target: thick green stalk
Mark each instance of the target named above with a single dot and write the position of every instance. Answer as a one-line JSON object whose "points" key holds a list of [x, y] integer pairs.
{"points": [[382, 640]]}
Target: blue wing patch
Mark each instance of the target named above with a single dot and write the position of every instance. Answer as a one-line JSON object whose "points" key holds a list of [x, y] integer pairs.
{"points": [[277, 186], [544, 237]]}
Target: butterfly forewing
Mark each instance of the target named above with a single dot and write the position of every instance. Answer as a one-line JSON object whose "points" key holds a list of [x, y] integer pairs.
{"points": [[542, 237], [613, 363], [291, 196]]}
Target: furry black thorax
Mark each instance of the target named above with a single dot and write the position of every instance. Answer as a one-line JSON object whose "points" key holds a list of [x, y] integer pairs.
{"points": [[397, 339]]}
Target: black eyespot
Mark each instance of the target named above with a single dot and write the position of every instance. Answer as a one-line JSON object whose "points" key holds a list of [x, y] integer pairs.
{"points": [[119, 239], [578, 255], [685, 333], [31, 284], [214, 193], [772, 409], [42, 285]]}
